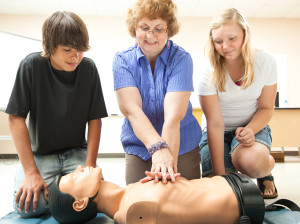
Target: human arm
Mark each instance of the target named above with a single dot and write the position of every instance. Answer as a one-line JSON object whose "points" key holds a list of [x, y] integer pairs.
{"points": [[130, 104], [175, 107], [264, 113], [176, 100], [94, 132], [215, 131], [33, 183]]}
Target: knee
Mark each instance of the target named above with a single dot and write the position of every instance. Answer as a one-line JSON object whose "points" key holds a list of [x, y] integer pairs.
{"points": [[252, 165], [42, 208], [31, 213], [252, 170]]}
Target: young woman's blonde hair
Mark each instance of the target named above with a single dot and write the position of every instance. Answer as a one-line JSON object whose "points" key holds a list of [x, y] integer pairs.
{"points": [[153, 9], [218, 62]]}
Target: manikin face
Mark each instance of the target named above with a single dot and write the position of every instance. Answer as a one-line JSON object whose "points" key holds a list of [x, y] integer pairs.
{"points": [[84, 182], [152, 36], [228, 40], [65, 58]]}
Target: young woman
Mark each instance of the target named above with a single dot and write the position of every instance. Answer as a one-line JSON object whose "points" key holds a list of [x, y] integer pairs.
{"points": [[237, 97]]}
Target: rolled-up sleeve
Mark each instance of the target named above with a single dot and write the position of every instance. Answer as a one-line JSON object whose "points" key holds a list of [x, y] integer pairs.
{"points": [[122, 75], [181, 78]]}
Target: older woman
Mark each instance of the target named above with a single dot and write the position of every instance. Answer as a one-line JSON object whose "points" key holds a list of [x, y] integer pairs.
{"points": [[153, 83]]}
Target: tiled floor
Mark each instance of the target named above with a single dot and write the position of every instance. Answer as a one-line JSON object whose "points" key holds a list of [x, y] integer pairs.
{"points": [[286, 178]]}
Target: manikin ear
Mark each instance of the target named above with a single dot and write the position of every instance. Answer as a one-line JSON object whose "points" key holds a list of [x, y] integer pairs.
{"points": [[81, 204]]}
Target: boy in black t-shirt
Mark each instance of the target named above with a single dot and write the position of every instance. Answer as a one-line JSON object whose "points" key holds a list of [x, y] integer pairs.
{"points": [[61, 91]]}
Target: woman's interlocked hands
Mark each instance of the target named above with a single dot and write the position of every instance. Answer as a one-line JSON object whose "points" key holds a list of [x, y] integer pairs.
{"points": [[151, 175], [163, 167]]}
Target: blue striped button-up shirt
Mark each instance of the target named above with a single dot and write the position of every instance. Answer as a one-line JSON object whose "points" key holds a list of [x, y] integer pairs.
{"points": [[173, 72]]}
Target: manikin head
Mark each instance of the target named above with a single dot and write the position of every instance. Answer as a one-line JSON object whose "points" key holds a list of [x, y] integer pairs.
{"points": [[71, 196]]}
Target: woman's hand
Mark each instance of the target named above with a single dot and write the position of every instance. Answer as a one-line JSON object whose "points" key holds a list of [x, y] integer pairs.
{"points": [[245, 136], [151, 175], [163, 161]]}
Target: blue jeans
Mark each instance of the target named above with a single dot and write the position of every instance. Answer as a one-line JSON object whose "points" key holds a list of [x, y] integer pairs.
{"points": [[230, 143], [49, 166]]}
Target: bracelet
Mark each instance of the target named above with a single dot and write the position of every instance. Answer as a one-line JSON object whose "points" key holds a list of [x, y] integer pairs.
{"points": [[157, 146]]}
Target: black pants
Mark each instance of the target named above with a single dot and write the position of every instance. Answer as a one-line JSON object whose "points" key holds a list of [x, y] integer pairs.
{"points": [[251, 202]]}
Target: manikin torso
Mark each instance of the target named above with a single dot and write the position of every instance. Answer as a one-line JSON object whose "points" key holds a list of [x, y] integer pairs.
{"points": [[185, 201]]}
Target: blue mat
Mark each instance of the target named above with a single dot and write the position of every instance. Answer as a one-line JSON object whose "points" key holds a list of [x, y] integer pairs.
{"points": [[14, 218], [275, 217]]}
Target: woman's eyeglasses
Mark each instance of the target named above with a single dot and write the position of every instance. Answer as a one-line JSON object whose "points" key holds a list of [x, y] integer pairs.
{"points": [[155, 30]]}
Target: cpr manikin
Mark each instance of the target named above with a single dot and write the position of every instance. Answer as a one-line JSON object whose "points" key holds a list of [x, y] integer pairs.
{"points": [[207, 200]]}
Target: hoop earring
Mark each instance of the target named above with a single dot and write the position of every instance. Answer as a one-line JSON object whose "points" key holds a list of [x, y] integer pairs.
{"points": [[168, 44]]}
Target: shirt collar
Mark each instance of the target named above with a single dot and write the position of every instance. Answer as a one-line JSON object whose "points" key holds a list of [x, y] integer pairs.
{"points": [[166, 52], [139, 53], [163, 55]]}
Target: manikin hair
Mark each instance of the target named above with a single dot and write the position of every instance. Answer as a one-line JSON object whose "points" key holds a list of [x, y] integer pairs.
{"points": [[61, 206]]}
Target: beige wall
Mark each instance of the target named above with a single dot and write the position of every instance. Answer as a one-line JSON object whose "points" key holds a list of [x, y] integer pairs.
{"points": [[6, 142], [278, 36]]}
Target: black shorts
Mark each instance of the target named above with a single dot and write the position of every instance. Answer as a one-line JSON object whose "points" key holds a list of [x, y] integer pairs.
{"points": [[251, 202]]}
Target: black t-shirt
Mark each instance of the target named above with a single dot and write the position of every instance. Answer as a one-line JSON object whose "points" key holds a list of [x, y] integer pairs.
{"points": [[60, 103]]}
